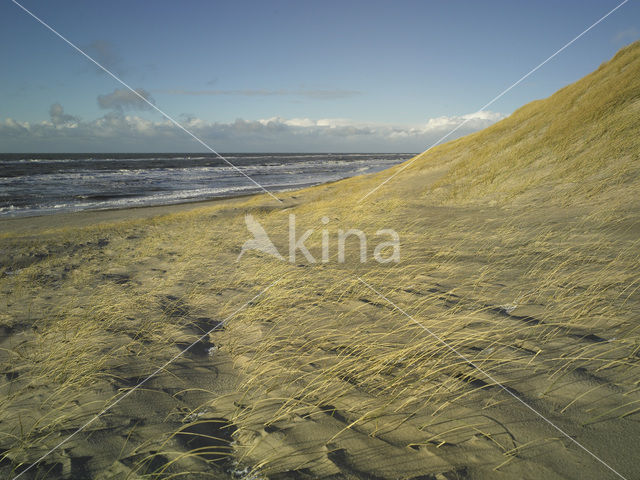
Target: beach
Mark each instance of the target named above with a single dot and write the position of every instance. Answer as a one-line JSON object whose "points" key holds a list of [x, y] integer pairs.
{"points": [[502, 343]]}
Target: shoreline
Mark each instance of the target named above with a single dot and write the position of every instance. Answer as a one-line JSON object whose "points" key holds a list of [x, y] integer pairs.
{"points": [[87, 218], [115, 192]]}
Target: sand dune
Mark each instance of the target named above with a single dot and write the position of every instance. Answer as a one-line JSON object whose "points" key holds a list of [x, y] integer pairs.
{"points": [[519, 251]]}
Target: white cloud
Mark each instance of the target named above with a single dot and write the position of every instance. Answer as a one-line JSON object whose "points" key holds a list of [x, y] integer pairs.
{"points": [[475, 121], [61, 119], [116, 131]]}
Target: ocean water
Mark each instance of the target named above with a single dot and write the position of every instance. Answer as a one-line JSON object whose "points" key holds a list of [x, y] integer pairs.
{"points": [[41, 184]]}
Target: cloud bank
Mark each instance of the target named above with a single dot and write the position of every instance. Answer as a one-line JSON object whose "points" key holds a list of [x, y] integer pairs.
{"points": [[118, 131]]}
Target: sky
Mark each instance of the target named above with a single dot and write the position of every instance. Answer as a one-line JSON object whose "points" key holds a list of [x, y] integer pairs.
{"points": [[286, 76]]}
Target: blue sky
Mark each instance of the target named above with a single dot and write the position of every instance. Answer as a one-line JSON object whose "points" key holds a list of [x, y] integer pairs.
{"points": [[286, 75]]}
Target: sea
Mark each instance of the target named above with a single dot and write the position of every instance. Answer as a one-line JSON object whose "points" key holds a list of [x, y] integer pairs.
{"points": [[44, 184]]}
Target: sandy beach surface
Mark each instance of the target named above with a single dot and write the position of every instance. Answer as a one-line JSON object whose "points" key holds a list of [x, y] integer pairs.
{"points": [[503, 344]]}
